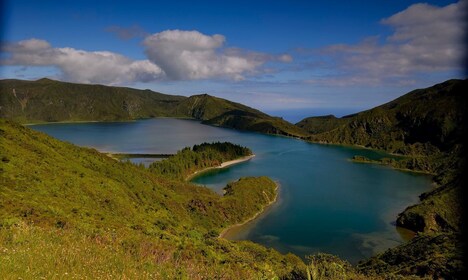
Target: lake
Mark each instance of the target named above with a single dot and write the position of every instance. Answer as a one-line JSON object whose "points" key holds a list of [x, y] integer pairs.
{"points": [[326, 204]]}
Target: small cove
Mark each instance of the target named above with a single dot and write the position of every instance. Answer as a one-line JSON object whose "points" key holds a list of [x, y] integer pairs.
{"points": [[326, 203]]}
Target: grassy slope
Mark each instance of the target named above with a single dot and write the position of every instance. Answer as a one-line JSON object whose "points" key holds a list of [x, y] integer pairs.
{"points": [[320, 124], [85, 214]]}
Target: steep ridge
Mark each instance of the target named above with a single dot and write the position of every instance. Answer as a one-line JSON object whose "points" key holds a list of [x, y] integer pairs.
{"points": [[425, 126], [423, 121]]}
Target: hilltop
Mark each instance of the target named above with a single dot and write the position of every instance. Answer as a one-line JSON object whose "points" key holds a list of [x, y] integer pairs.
{"points": [[47, 100], [420, 122]]}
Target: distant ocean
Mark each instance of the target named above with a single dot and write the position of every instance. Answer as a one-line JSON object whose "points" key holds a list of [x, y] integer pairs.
{"points": [[296, 115]]}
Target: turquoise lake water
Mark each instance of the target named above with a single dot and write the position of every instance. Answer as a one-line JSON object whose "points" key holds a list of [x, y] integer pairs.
{"points": [[326, 203]]}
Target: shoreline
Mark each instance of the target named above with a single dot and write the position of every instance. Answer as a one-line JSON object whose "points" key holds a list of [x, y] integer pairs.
{"points": [[104, 121], [222, 165], [264, 209]]}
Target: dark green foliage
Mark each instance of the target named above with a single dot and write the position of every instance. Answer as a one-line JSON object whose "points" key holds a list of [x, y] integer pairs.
{"points": [[316, 125], [422, 122], [199, 157], [426, 126], [329, 267], [438, 255]]}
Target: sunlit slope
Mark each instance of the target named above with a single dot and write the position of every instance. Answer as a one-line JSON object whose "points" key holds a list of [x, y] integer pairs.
{"points": [[58, 197]]}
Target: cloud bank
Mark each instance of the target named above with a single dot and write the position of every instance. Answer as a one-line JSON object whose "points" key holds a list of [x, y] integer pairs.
{"points": [[172, 55], [191, 55], [425, 39], [81, 66]]}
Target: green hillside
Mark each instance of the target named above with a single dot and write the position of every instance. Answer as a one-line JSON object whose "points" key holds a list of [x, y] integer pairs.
{"points": [[84, 214], [420, 122], [220, 112], [320, 124], [46, 100], [426, 127]]}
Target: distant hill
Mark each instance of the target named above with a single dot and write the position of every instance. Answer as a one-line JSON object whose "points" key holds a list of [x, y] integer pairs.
{"points": [[47, 100], [220, 112]]}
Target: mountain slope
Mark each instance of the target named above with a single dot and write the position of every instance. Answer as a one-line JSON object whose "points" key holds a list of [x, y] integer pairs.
{"points": [[46, 100], [220, 112], [420, 122], [57, 197], [427, 127]]}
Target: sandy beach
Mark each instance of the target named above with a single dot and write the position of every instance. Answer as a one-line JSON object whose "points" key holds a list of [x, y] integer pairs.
{"points": [[222, 165]]}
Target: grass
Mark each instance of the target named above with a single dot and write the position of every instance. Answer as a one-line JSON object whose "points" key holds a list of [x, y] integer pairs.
{"points": [[73, 210]]}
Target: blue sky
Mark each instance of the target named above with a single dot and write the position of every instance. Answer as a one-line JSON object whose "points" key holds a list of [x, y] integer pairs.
{"points": [[329, 56]]}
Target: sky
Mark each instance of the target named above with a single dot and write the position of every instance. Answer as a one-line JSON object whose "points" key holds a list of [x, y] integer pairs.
{"points": [[312, 57]]}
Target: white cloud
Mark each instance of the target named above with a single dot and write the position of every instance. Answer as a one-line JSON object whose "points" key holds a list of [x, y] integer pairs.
{"points": [[172, 55], [190, 55], [81, 66], [426, 39]]}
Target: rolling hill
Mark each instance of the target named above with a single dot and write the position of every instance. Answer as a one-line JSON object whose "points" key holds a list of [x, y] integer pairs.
{"points": [[47, 100]]}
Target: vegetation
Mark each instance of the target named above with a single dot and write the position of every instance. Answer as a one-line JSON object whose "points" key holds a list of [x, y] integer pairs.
{"points": [[436, 255], [221, 112], [190, 160], [149, 223], [87, 215], [320, 124], [422, 122], [426, 127], [46, 100]]}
